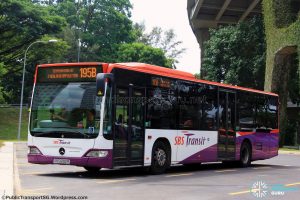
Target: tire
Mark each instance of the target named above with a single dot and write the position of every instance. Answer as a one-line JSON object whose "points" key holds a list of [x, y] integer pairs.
{"points": [[161, 158], [245, 155], [92, 170]]}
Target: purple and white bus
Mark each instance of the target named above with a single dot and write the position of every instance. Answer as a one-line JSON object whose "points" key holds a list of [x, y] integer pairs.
{"points": [[100, 115]]}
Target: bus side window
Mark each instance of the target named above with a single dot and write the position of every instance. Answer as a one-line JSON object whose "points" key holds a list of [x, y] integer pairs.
{"points": [[189, 119], [261, 111], [271, 115], [209, 108], [246, 106], [161, 108]]}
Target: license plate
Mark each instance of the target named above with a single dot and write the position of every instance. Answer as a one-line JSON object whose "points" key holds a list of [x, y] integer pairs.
{"points": [[61, 161]]}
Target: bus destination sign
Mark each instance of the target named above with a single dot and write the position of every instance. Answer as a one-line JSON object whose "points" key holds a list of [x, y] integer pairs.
{"points": [[68, 73], [161, 82]]}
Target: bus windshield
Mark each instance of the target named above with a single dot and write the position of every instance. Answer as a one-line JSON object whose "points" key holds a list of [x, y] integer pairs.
{"points": [[65, 110]]}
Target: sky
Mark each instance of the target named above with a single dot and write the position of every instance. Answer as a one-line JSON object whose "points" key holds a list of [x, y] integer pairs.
{"points": [[170, 14]]}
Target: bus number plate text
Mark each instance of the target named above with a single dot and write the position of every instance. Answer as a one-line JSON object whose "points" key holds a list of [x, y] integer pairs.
{"points": [[61, 161]]}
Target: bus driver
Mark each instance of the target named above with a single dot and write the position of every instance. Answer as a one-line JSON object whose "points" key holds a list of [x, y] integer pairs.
{"points": [[61, 116]]}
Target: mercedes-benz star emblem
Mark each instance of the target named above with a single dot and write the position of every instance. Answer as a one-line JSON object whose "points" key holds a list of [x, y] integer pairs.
{"points": [[62, 151]]}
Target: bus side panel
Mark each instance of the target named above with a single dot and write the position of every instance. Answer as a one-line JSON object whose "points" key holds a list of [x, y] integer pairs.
{"points": [[264, 145], [197, 146], [186, 146], [274, 143], [151, 135], [102, 143]]}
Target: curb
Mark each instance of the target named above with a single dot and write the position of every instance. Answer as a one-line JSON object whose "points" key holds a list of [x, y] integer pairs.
{"points": [[289, 152], [17, 182]]}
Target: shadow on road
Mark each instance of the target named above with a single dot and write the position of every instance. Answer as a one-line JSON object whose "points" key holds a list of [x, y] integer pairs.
{"points": [[205, 170]]}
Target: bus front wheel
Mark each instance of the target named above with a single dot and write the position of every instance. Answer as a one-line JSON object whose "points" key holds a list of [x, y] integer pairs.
{"points": [[92, 169], [245, 155], [160, 158]]}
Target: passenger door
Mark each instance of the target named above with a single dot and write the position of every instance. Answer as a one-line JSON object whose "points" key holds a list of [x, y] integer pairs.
{"points": [[129, 126], [136, 124], [227, 122], [120, 149]]}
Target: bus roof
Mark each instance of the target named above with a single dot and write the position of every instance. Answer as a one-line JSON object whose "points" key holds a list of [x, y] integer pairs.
{"points": [[104, 65], [172, 73], [70, 64], [156, 70]]}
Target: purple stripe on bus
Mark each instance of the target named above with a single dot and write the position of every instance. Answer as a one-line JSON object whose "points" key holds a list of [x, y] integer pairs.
{"points": [[264, 145], [81, 161], [208, 154]]}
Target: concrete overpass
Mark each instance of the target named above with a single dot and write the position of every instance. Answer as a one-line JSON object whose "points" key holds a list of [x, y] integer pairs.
{"points": [[205, 14], [282, 29]]}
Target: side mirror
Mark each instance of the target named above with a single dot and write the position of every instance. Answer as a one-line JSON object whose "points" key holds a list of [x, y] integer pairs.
{"points": [[101, 79]]}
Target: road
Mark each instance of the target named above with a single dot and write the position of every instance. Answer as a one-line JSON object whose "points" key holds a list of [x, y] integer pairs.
{"points": [[207, 181]]}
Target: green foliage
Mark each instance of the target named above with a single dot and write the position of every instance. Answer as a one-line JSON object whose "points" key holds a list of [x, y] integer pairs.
{"points": [[165, 40], [286, 36], [46, 53], [21, 23], [103, 28], [139, 52], [3, 94], [283, 13], [197, 75], [282, 28], [236, 55], [101, 25]]}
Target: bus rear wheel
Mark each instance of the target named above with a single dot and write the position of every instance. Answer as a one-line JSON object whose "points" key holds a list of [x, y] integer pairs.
{"points": [[245, 155], [92, 170], [160, 158]]}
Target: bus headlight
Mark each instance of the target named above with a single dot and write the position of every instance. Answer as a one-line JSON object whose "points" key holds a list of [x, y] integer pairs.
{"points": [[34, 151], [97, 153]]}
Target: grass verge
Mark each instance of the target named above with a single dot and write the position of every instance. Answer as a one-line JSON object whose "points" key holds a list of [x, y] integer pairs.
{"points": [[9, 119]]}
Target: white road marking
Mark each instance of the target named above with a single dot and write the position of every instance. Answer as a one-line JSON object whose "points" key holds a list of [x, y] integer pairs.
{"points": [[31, 173], [115, 181], [261, 167], [176, 175], [226, 170]]}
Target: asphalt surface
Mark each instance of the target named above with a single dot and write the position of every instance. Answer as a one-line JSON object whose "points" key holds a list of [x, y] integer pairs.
{"points": [[277, 178]]}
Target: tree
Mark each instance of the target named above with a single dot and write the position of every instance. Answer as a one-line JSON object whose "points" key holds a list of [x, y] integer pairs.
{"points": [[236, 54], [158, 38], [2, 93], [139, 52], [101, 25], [21, 23]]}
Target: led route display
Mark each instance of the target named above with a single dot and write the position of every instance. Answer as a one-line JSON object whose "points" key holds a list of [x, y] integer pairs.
{"points": [[68, 73]]}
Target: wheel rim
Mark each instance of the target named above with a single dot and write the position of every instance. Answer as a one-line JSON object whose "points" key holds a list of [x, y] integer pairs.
{"points": [[245, 156], [161, 157]]}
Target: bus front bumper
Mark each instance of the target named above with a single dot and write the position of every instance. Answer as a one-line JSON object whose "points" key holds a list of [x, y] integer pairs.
{"points": [[105, 162]]}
